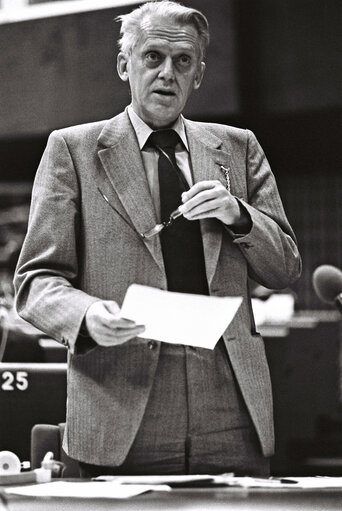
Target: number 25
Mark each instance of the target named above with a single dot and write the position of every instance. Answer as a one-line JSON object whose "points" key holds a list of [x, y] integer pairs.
{"points": [[17, 380]]}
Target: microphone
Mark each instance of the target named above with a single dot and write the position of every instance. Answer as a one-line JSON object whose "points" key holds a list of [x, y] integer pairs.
{"points": [[327, 282]]}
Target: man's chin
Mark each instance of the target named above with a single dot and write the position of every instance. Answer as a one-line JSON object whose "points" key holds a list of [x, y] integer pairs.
{"points": [[163, 116]]}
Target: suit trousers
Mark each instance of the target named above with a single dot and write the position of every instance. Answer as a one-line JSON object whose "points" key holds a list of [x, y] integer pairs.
{"points": [[195, 422]]}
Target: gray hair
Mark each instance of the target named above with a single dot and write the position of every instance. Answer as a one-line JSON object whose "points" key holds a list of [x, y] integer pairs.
{"points": [[131, 23]]}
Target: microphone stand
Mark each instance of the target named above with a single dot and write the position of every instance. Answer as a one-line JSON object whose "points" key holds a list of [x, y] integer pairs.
{"points": [[338, 302], [3, 328]]}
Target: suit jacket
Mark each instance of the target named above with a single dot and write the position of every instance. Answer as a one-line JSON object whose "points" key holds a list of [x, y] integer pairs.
{"points": [[90, 204]]}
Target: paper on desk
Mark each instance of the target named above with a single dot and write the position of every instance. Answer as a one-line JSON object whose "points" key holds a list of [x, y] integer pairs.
{"points": [[157, 480], [179, 318], [90, 490], [316, 482], [282, 483]]}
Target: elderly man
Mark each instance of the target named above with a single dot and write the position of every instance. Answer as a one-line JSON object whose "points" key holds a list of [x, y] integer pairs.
{"points": [[134, 405]]}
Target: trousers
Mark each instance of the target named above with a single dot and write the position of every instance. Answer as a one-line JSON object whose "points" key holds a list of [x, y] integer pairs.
{"points": [[195, 422]]}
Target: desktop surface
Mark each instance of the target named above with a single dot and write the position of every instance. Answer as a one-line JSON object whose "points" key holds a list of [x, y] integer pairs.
{"points": [[192, 499]]}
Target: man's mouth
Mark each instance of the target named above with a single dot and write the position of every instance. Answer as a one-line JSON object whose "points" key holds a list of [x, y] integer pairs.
{"points": [[164, 92]]}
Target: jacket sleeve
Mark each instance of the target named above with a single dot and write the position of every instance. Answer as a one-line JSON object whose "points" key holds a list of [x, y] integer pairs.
{"points": [[46, 276], [270, 247]]}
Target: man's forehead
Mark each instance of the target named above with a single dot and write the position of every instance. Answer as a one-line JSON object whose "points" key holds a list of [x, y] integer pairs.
{"points": [[160, 30]]}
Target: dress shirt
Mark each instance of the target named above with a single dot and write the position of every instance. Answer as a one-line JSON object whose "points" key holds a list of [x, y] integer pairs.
{"points": [[150, 155]]}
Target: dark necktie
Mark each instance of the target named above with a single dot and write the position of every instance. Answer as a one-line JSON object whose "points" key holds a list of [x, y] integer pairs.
{"points": [[181, 242]]}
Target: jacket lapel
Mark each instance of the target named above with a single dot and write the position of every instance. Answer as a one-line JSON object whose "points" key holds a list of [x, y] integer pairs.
{"points": [[207, 159], [123, 166]]}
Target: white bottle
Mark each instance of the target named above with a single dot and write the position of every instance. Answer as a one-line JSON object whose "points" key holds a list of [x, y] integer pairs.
{"points": [[43, 474]]}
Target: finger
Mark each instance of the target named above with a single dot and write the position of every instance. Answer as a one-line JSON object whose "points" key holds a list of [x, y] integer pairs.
{"points": [[117, 331], [197, 188], [116, 322], [100, 313], [117, 337], [203, 207], [132, 332], [108, 342], [114, 311], [200, 216], [109, 331], [111, 306], [218, 192], [110, 316], [200, 198]]}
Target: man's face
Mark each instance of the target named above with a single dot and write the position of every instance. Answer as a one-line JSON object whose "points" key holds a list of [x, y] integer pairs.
{"points": [[163, 69]]}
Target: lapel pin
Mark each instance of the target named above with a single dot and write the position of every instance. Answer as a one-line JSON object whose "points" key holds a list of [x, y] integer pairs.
{"points": [[226, 170]]}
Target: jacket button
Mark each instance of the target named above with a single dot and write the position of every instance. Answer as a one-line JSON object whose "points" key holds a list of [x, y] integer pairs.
{"points": [[151, 345]]}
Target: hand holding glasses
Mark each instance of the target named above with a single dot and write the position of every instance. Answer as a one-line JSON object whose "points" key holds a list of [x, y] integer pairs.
{"points": [[159, 227], [177, 212]]}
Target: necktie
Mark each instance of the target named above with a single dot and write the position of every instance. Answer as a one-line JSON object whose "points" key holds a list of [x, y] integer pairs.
{"points": [[181, 242]]}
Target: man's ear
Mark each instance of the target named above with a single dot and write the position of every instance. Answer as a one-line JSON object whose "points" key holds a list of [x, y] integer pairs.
{"points": [[121, 66], [199, 75]]}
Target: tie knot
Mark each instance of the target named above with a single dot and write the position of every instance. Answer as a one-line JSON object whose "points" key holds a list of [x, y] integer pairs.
{"points": [[164, 138]]}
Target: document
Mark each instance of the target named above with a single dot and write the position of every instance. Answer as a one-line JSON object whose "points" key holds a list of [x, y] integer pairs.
{"points": [[314, 482], [179, 318], [292, 483], [152, 480], [93, 490]]}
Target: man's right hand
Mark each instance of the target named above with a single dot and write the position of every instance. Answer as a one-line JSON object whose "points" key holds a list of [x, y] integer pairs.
{"points": [[106, 327]]}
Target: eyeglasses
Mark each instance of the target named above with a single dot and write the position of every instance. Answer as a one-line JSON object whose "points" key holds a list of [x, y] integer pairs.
{"points": [[159, 227]]}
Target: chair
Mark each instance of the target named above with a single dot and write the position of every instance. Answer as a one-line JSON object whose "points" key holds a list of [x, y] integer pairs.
{"points": [[48, 437]]}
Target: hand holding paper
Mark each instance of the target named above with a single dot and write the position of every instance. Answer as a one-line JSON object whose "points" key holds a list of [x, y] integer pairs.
{"points": [[179, 318], [105, 325]]}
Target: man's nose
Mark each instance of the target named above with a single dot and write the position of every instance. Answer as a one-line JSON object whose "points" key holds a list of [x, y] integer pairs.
{"points": [[167, 70]]}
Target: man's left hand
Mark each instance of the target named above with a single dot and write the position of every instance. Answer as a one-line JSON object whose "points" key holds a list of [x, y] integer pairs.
{"points": [[210, 199]]}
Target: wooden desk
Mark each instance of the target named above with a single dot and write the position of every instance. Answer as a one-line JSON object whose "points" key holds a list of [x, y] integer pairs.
{"points": [[199, 499]]}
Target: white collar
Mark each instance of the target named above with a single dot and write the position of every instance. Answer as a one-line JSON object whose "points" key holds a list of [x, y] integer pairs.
{"points": [[143, 131]]}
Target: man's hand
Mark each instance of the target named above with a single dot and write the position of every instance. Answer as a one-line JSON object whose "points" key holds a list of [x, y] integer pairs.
{"points": [[210, 199], [105, 326]]}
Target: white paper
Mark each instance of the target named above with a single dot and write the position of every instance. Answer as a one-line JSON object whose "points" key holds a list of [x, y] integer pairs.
{"points": [[316, 482], [153, 479], [179, 318], [94, 490], [281, 483]]}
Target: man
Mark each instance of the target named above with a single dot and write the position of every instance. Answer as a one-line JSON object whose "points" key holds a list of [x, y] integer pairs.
{"points": [[134, 405]]}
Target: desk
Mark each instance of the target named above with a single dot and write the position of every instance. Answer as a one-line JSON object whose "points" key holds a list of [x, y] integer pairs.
{"points": [[199, 499]]}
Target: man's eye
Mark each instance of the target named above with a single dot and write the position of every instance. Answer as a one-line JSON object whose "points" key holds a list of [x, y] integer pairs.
{"points": [[152, 57], [184, 60]]}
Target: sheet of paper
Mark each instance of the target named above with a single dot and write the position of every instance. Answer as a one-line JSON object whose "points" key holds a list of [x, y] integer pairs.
{"points": [[179, 318], [315, 482], [285, 482], [93, 490], [153, 479]]}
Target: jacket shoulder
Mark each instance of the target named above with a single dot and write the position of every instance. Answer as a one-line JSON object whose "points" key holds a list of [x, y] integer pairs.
{"points": [[78, 132], [223, 131]]}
